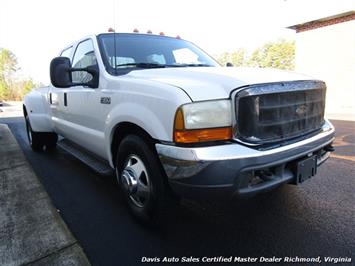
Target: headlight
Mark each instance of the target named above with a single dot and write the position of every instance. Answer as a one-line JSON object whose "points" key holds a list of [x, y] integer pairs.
{"points": [[203, 121]]}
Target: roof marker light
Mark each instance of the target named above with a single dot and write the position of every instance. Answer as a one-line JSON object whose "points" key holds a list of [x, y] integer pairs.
{"points": [[162, 33], [136, 30], [149, 32], [110, 29], [178, 37]]}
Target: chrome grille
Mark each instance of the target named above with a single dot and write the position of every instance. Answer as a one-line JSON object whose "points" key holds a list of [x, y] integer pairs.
{"points": [[279, 111]]}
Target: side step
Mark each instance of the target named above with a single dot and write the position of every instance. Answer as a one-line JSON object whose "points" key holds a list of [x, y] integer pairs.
{"points": [[90, 160]]}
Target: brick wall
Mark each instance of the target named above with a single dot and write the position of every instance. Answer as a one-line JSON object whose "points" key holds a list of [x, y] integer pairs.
{"points": [[318, 24]]}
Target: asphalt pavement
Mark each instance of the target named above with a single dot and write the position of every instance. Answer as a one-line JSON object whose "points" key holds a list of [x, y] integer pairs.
{"points": [[311, 220]]}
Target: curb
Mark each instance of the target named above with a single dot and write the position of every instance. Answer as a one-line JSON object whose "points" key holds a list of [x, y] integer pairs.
{"points": [[31, 230]]}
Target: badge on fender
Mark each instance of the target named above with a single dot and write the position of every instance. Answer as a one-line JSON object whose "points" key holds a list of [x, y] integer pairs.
{"points": [[105, 100]]}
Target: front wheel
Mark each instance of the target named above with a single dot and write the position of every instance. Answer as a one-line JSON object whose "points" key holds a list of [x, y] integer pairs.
{"points": [[142, 180]]}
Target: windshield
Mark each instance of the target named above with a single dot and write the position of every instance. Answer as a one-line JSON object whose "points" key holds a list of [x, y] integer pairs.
{"points": [[141, 51]]}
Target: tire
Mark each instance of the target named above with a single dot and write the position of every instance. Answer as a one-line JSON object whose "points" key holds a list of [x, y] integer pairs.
{"points": [[50, 140], [142, 181], [39, 140]]}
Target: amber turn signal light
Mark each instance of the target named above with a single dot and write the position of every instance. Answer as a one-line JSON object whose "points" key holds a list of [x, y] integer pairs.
{"points": [[200, 135]]}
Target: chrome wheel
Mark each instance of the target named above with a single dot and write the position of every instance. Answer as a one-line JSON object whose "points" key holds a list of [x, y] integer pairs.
{"points": [[135, 181], [142, 181]]}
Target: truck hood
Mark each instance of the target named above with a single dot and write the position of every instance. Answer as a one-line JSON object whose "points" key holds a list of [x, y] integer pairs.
{"points": [[205, 83]]}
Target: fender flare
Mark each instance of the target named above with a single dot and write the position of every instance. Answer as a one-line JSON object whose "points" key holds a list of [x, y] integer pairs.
{"points": [[38, 111]]}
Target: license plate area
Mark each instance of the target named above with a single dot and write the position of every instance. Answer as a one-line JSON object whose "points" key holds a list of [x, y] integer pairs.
{"points": [[304, 169]]}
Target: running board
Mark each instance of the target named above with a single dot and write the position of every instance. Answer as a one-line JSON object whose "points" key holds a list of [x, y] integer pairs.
{"points": [[90, 160]]}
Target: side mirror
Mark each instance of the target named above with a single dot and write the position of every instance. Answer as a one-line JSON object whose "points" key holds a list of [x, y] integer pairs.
{"points": [[61, 74], [229, 64]]}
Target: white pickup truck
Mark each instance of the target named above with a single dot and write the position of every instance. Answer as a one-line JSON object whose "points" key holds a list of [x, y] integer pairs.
{"points": [[169, 120]]}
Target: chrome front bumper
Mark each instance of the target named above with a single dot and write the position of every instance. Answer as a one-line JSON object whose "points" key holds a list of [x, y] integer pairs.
{"points": [[229, 168]]}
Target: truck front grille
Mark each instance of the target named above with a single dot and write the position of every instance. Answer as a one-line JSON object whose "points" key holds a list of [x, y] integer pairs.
{"points": [[279, 111]]}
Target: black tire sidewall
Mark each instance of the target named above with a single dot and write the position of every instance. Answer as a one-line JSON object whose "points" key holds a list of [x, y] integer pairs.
{"points": [[50, 140], [28, 130], [35, 143], [40, 139], [134, 145]]}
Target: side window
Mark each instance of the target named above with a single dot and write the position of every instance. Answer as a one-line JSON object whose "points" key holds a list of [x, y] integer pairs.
{"points": [[84, 56], [67, 52]]}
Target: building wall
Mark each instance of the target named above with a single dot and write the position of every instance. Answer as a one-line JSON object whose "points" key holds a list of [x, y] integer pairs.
{"points": [[328, 53]]}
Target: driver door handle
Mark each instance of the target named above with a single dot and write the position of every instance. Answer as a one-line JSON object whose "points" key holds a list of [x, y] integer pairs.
{"points": [[65, 99]]}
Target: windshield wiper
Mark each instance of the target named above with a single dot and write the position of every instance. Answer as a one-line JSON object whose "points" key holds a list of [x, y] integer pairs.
{"points": [[156, 65], [142, 65], [191, 65]]}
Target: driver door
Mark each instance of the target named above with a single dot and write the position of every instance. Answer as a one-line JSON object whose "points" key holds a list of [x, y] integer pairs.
{"points": [[82, 121]]}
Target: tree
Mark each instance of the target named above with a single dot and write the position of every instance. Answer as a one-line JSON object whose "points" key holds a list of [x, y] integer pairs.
{"points": [[279, 54], [12, 88], [237, 58], [8, 66], [28, 86]]}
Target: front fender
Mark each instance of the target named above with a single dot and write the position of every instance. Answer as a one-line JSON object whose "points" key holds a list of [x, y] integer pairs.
{"points": [[138, 115], [38, 110]]}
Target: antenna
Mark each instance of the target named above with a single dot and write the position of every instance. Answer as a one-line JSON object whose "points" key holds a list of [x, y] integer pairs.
{"points": [[114, 35]]}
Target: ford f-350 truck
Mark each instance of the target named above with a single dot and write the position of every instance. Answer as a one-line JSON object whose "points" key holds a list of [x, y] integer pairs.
{"points": [[169, 121]]}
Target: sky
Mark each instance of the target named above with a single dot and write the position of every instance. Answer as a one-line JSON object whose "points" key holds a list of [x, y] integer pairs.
{"points": [[36, 30]]}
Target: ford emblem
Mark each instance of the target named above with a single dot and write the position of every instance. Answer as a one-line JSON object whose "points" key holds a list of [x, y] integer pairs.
{"points": [[301, 110]]}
